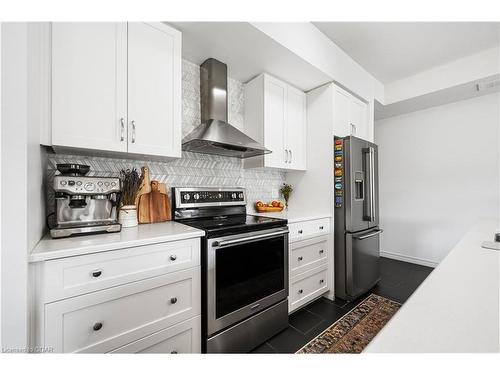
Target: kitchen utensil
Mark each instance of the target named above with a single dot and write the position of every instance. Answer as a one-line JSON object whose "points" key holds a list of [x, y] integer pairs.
{"points": [[154, 206]]}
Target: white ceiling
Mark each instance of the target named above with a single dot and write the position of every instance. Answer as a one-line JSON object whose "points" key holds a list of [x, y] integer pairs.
{"points": [[247, 53], [394, 50]]}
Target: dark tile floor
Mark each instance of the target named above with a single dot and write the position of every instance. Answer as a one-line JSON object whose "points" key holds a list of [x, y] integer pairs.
{"points": [[398, 281]]}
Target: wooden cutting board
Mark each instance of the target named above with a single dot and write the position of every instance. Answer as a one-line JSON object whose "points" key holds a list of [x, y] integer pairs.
{"points": [[154, 206]]}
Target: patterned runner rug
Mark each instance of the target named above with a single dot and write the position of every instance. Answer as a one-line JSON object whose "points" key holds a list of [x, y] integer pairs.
{"points": [[353, 332]]}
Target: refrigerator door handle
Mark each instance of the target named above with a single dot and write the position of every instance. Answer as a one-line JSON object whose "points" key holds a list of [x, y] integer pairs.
{"points": [[369, 235], [370, 166], [372, 183]]}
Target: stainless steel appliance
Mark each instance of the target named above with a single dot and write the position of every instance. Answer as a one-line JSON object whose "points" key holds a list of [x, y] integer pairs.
{"points": [[357, 232], [84, 205], [214, 135], [244, 268]]}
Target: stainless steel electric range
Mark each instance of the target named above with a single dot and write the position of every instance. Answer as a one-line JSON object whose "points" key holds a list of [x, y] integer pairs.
{"points": [[244, 268]]}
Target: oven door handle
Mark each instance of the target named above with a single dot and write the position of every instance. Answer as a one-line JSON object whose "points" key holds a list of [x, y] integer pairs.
{"points": [[248, 239]]}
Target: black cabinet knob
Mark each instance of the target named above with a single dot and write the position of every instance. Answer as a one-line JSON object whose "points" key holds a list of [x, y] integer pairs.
{"points": [[300, 258], [321, 227], [321, 281], [173, 352], [300, 231], [97, 326], [321, 251], [301, 291], [173, 257], [97, 273], [173, 300]]}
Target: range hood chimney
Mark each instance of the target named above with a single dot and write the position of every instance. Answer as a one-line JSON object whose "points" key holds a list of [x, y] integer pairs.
{"points": [[214, 135]]}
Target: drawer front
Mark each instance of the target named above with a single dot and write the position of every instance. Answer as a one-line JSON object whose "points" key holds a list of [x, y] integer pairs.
{"points": [[304, 229], [308, 254], [69, 277], [307, 286], [182, 338], [105, 320], [296, 230]]}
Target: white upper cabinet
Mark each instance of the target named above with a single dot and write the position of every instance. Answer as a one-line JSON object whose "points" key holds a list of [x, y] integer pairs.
{"points": [[275, 115], [275, 108], [296, 128], [358, 118], [341, 107], [117, 87], [350, 115], [154, 89], [89, 85]]}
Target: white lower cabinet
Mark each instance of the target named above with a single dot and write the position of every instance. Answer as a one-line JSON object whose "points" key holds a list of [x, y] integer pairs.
{"points": [[307, 254], [153, 309], [307, 287], [178, 339], [310, 261]]}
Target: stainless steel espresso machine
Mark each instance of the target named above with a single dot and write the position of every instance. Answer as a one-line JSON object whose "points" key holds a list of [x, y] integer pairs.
{"points": [[84, 205]]}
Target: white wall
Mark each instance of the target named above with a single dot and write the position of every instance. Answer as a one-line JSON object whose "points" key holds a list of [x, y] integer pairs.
{"points": [[14, 185], [439, 174], [37, 117]]}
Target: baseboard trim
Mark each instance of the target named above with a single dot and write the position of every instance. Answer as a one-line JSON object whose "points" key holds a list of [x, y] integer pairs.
{"points": [[409, 259]]}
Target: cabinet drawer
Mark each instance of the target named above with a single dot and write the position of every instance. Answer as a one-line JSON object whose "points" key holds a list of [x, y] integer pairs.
{"points": [[77, 275], [108, 319], [304, 229], [182, 338], [307, 286], [308, 254]]}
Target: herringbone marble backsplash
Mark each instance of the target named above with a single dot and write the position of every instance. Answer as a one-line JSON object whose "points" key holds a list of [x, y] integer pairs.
{"points": [[192, 169]]}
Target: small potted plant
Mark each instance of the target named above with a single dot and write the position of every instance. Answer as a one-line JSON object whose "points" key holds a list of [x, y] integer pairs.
{"points": [[285, 191], [130, 180]]}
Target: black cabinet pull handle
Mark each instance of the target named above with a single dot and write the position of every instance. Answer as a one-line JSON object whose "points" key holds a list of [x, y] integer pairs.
{"points": [[173, 300], [301, 291], [173, 352], [300, 258], [97, 326], [97, 273], [300, 231], [173, 257]]}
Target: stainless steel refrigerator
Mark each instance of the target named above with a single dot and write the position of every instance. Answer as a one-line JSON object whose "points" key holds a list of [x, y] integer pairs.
{"points": [[357, 232]]}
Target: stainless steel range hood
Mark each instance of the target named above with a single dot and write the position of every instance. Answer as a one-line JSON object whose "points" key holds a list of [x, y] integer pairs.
{"points": [[215, 135]]}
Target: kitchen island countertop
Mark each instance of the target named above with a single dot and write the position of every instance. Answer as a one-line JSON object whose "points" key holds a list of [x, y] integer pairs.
{"points": [[143, 234], [456, 309]]}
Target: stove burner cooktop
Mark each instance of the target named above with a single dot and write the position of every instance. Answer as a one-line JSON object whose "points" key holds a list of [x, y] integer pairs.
{"points": [[218, 211], [231, 224]]}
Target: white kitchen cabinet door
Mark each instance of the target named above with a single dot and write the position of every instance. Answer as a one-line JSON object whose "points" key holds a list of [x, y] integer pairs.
{"points": [[341, 107], [296, 129], [89, 85], [154, 89], [358, 118], [275, 108]]}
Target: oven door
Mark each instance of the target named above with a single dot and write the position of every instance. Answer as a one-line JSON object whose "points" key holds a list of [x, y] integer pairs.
{"points": [[246, 273]]}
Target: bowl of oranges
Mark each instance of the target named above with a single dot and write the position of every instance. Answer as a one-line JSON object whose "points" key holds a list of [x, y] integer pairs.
{"points": [[273, 206]]}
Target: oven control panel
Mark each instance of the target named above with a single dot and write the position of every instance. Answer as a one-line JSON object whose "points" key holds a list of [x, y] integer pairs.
{"points": [[209, 196]]}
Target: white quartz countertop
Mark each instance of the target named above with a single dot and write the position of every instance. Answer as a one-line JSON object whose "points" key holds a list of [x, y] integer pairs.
{"points": [[144, 234], [456, 309], [291, 217]]}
